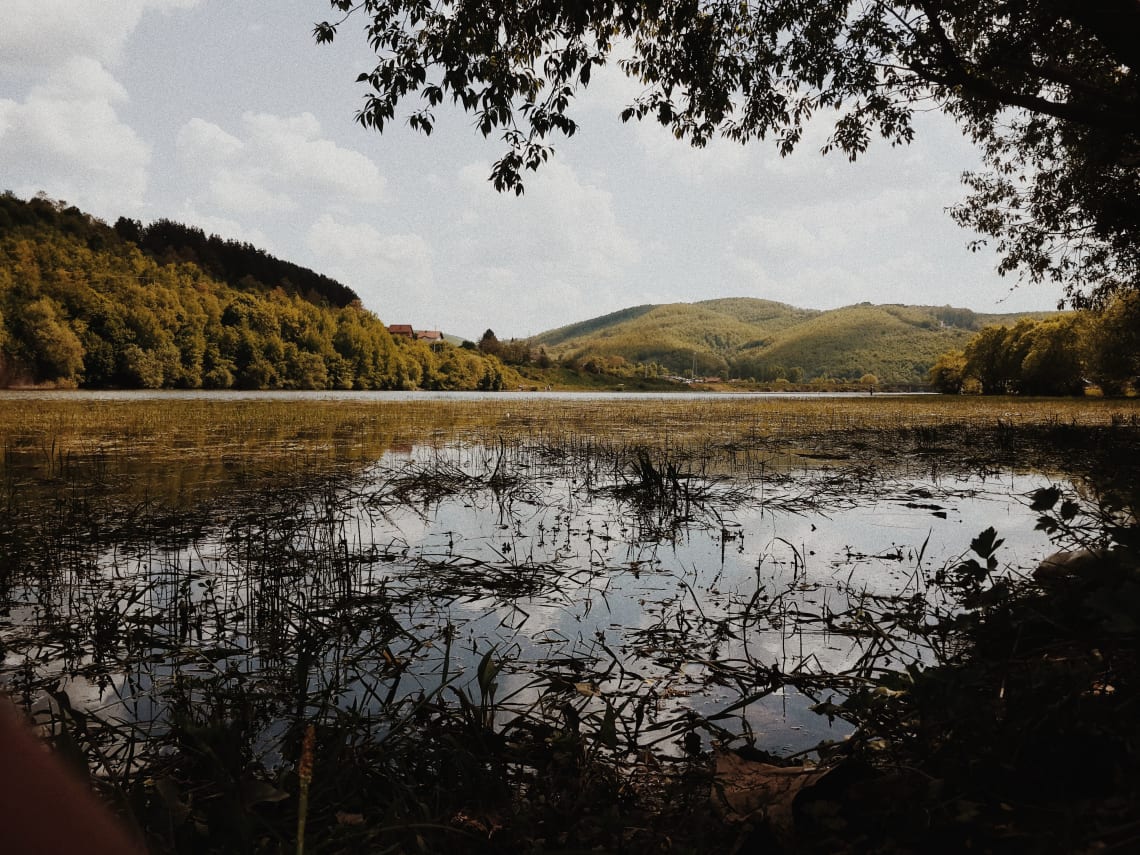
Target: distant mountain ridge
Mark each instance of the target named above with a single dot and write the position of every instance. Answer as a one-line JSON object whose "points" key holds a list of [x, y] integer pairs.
{"points": [[765, 340]]}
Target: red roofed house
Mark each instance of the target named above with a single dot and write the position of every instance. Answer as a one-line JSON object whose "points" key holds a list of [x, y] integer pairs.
{"points": [[404, 330]]}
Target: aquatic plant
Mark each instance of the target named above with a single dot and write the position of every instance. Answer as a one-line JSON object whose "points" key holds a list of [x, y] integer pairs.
{"points": [[378, 577]]}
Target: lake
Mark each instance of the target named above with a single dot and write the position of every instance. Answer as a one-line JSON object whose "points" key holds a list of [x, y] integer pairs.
{"points": [[654, 574]]}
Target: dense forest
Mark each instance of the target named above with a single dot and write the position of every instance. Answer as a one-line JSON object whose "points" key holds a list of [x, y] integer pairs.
{"points": [[84, 304], [238, 264], [1070, 354]]}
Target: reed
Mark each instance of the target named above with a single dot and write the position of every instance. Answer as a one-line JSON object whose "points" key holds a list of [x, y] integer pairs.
{"points": [[198, 589], [171, 425]]}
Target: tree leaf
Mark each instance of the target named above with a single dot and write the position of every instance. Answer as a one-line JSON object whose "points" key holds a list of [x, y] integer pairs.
{"points": [[1045, 498], [986, 543]]}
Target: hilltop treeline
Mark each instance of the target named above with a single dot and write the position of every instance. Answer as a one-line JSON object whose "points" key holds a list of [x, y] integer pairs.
{"points": [[238, 264], [1063, 355], [235, 263], [82, 306]]}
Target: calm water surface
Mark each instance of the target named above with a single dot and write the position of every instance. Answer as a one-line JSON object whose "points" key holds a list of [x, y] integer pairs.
{"points": [[405, 577]]}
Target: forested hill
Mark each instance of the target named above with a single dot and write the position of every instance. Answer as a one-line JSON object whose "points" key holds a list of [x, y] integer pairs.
{"points": [[240, 265], [766, 340], [81, 305]]}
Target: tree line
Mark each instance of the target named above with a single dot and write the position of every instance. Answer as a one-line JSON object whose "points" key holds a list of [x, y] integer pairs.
{"points": [[83, 306], [1068, 354], [236, 263]]}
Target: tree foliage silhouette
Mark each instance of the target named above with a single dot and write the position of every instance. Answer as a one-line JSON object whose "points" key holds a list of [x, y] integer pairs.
{"points": [[1048, 88]]}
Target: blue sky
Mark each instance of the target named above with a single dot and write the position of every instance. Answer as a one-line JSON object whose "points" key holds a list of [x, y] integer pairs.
{"points": [[227, 116]]}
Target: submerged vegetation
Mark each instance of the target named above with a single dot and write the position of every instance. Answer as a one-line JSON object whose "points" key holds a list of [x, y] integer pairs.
{"points": [[538, 625]]}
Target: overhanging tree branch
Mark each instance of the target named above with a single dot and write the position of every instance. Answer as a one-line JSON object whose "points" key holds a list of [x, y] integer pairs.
{"points": [[1048, 88]]}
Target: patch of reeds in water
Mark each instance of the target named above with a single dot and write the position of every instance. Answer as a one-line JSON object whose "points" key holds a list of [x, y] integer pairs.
{"points": [[190, 644]]}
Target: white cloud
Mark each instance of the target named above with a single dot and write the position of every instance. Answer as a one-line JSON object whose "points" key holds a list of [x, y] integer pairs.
{"points": [[67, 139], [39, 34], [832, 228], [63, 134], [272, 161], [558, 251], [775, 233], [827, 253], [300, 153], [560, 225], [392, 273], [245, 193], [80, 79], [205, 144]]}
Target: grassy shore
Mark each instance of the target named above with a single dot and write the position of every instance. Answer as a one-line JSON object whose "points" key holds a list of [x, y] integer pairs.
{"points": [[150, 425]]}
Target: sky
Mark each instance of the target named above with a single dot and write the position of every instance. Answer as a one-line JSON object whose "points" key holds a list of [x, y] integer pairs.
{"points": [[227, 116]]}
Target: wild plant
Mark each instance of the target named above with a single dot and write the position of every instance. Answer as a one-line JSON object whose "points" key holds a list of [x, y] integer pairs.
{"points": [[274, 595]]}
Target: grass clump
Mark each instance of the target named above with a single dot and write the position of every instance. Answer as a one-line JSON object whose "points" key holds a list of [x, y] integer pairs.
{"points": [[1020, 735]]}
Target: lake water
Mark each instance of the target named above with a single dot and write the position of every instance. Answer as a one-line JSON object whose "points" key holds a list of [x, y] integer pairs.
{"points": [[664, 598]]}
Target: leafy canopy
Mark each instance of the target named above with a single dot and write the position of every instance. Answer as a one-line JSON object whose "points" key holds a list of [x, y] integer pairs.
{"points": [[81, 304], [1058, 355], [1047, 87]]}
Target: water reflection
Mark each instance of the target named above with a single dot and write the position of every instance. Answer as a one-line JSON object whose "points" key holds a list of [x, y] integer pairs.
{"points": [[644, 587]]}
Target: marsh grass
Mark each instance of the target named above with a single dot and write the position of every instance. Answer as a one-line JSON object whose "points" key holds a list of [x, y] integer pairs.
{"points": [[55, 428], [195, 587]]}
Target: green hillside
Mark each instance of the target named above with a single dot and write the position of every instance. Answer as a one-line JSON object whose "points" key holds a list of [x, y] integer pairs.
{"points": [[765, 340], [595, 325], [763, 313], [86, 305], [896, 346]]}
